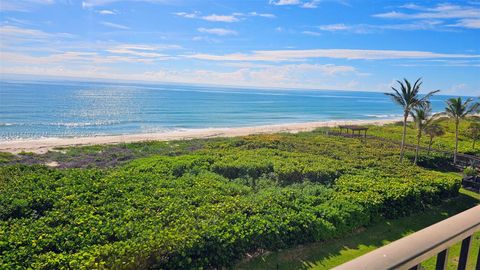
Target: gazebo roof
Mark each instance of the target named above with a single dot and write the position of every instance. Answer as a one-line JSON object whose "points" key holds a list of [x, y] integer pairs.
{"points": [[353, 127]]}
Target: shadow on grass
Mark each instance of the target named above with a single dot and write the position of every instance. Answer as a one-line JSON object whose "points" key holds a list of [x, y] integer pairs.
{"points": [[328, 254]]}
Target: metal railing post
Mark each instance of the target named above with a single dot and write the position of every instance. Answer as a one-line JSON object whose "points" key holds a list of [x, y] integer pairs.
{"points": [[442, 260], [478, 260], [464, 252]]}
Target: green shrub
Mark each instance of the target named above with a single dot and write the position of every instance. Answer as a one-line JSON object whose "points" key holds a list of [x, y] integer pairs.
{"points": [[206, 209], [470, 171]]}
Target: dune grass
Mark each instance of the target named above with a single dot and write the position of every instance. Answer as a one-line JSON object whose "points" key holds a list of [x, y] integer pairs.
{"points": [[325, 255]]}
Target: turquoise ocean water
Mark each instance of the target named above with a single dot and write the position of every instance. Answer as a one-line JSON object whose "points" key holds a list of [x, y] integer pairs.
{"points": [[68, 109]]}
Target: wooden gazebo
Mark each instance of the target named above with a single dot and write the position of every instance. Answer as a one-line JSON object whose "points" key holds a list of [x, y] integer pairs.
{"points": [[354, 128]]}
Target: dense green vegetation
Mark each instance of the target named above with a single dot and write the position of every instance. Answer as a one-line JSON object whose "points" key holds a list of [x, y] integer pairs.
{"points": [[458, 109], [331, 253], [444, 142], [201, 203]]}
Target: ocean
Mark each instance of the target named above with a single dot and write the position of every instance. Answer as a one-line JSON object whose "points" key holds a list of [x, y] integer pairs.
{"points": [[72, 109]]}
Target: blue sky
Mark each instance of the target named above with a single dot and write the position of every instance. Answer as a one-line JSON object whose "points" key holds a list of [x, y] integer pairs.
{"points": [[344, 44]]}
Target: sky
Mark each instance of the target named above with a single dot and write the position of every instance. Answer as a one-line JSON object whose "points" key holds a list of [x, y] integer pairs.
{"points": [[319, 44]]}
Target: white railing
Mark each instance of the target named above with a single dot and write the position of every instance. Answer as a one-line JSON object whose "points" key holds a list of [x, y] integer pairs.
{"points": [[410, 251]]}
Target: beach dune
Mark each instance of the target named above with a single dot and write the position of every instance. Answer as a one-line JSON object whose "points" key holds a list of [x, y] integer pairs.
{"points": [[43, 145]]}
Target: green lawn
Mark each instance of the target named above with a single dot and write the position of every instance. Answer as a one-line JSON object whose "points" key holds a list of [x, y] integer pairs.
{"points": [[325, 255]]}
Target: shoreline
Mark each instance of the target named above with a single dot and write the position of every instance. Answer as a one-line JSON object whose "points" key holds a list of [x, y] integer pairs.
{"points": [[43, 145]]}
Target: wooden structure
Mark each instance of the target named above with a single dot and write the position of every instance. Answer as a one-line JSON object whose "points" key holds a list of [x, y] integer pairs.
{"points": [[468, 160], [471, 183], [463, 160], [354, 128]]}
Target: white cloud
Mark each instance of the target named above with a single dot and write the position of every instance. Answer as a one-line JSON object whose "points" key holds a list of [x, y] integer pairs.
{"points": [[115, 25], [65, 71], [464, 16], [23, 5], [19, 32], [11, 20], [265, 15], [459, 86], [106, 12], [13, 34], [416, 25], [145, 51], [462, 89], [25, 45], [147, 47], [301, 3], [94, 65], [441, 11], [311, 33], [372, 28], [96, 3], [206, 39], [119, 53], [442, 63], [467, 23], [285, 2], [72, 58], [217, 31], [221, 18], [412, 6], [188, 15], [311, 4], [334, 27], [301, 55], [234, 17], [287, 76]]}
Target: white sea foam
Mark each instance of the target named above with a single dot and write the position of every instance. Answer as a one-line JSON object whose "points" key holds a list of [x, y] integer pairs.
{"points": [[85, 124], [383, 115]]}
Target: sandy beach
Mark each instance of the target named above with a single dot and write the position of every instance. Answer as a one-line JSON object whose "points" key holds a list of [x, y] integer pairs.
{"points": [[45, 144]]}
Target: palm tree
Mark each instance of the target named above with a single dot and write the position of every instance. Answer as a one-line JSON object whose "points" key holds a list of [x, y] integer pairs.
{"points": [[458, 110], [473, 132], [433, 130], [408, 98], [422, 116]]}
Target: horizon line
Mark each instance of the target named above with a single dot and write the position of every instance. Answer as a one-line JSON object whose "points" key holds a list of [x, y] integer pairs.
{"points": [[40, 78]]}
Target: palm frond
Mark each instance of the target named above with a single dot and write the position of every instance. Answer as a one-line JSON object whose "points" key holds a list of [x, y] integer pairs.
{"points": [[430, 94], [396, 98]]}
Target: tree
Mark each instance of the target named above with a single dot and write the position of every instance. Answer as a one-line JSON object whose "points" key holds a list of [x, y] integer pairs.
{"points": [[433, 130], [407, 96], [422, 116], [473, 132], [458, 109]]}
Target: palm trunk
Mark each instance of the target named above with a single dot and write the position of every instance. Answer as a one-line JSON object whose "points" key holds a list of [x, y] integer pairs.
{"points": [[456, 141], [402, 147], [430, 145], [418, 146]]}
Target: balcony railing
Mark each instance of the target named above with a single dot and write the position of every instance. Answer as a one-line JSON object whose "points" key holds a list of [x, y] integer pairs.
{"points": [[410, 251]]}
